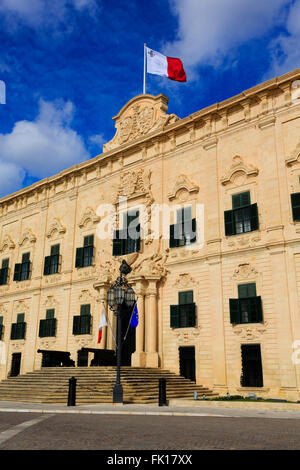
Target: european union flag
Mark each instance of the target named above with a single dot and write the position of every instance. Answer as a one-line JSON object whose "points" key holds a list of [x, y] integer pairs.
{"points": [[135, 317]]}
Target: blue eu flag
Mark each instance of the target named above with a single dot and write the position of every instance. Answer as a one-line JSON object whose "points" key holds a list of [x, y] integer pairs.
{"points": [[135, 317]]}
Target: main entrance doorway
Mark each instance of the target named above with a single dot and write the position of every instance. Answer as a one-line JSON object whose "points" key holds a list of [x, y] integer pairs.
{"points": [[128, 345], [252, 375], [187, 362], [15, 364]]}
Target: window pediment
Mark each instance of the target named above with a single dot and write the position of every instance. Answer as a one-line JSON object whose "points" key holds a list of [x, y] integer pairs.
{"points": [[182, 186], [238, 172]]}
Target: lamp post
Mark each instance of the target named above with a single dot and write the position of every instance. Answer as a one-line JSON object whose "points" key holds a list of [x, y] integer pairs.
{"points": [[119, 296]]}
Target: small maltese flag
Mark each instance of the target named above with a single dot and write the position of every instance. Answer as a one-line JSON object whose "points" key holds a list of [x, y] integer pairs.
{"points": [[170, 67], [102, 324]]}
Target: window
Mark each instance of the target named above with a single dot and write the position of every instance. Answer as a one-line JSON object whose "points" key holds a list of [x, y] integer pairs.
{"points": [[85, 254], [295, 198], [247, 308], [52, 262], [183, 314], [4, 272], [243, 217], [127, 240], [22, 270], [82, 322], [184, 231], [18, 329], [48, 326]]}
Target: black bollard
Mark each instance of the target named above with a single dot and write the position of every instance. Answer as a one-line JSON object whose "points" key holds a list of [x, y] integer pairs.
{"points": [[162, 400], [72, 392]]}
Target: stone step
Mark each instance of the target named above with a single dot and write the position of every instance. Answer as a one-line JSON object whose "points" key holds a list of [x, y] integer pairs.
{"points": [[95, 385]]}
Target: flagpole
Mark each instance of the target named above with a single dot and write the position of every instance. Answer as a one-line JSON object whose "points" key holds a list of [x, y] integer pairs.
{"points": [[130, 320], [144, 84]]}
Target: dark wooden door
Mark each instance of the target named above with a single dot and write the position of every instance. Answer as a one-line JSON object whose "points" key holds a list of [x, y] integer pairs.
{"points": [[128, 345], [252, 375], [15, 364], [187, 362]]}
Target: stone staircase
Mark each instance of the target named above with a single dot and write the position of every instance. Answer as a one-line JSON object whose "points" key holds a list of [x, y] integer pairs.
{"points": [[95, 385]]}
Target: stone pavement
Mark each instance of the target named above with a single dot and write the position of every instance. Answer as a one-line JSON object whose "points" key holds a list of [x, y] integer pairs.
{"points": [[175, 408]]}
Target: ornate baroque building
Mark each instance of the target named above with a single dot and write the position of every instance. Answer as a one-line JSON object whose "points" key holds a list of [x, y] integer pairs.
{"points": [[220, 301]]}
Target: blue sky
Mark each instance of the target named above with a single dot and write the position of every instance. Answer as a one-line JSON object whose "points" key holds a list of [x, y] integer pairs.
{"points": [[70, 65]]}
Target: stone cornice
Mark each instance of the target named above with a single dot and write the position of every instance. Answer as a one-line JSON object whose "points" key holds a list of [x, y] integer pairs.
{"points": [[77, 174]]}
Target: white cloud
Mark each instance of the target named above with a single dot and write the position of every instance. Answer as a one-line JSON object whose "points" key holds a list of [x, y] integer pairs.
{"points": [[286, 48], [98, 139], [208, 30], [41, 147], [43, 13], [11, 177]]}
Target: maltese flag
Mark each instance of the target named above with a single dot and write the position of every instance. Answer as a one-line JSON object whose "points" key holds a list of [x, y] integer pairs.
{"points": [[102, 324], [170, 67]]}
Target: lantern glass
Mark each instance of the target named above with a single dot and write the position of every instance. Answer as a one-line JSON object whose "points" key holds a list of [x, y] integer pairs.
{"points": [[130, 297], [111, 298], [119, 295]]}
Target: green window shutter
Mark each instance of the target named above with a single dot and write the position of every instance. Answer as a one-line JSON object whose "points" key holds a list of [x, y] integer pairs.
{"points": [[47, 265], [50, 313], [186, 297], [20, 317], [247, 290], [25, 257], [76, 325], [191, 315], [79, 258], [41, 329], [54, 250], [17, 272], [241, 200], [117, 244], [173, 242], [255, 309], [174, 316], [180, 216], [229, 223], [88, 240], [254, 217], [47, 327], [295, 199], [187, 213], [85, 309], [5, 263], [234, 307], [194, 229]]}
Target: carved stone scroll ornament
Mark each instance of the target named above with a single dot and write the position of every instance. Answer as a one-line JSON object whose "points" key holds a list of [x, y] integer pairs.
{"points": [[153, 262], [294, 158], [141, 115], [7, 244], [55, 229], [249, 332], [238, 172], [182, 184], [27, 238], [245, 271], [88, 216], [184, 280]]}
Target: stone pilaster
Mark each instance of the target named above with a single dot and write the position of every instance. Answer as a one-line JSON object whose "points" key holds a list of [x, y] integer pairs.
{"points": [[138, 358], [151, 323]]}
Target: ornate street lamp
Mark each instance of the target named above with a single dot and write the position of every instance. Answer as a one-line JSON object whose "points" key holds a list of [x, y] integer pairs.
{"points": [[120, 296]]}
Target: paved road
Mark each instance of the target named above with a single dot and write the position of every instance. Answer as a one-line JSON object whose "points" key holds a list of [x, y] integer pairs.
{"points": [[46, 431]]}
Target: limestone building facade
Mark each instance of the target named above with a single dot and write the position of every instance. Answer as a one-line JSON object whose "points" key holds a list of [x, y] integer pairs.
{"points": [[220, 302]]}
